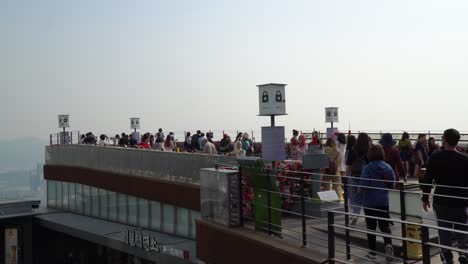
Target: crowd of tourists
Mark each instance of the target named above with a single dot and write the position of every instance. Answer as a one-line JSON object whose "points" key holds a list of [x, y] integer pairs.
{"points": [[373, 169], [197, 143], [369, 169]]}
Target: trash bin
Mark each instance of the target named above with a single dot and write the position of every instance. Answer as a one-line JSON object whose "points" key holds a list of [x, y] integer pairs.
{"points": [[414, 250], [267, 199], [413, 213]]}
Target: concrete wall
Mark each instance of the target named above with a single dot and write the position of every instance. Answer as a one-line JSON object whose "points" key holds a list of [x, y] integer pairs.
{"points": [[217, 244], [180, 167]]}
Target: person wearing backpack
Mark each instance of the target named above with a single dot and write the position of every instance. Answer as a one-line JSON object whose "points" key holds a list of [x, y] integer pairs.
{"points": [[355, 162], [332, 173], [392, 156], [225, 144]]}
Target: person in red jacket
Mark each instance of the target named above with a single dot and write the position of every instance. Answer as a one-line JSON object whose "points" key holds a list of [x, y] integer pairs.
{"points": [[145, 143], [392, 156]]}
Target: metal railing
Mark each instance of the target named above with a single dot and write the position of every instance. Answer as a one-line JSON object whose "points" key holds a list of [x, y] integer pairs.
{"points": [[256, 135], [300, 181], [65, 138]]}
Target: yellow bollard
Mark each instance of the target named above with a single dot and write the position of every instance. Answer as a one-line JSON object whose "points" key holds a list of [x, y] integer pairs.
{"points": [[414, 250]]}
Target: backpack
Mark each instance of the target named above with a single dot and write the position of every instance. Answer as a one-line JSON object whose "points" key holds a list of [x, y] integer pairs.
{"points": [[356, 167]]}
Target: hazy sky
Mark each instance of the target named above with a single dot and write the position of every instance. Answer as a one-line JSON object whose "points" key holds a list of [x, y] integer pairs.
{"points": [[184, 65]]}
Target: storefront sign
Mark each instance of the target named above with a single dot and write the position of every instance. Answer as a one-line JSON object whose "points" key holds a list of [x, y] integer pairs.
{"points": [[135, 238], [11, 246]]}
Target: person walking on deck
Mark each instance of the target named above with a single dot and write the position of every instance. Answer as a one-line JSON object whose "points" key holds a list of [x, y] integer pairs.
{"points": [[448, 170], [341, 145], [404, 146], [432, 146], [376, 178], [392, 156], [420, 155], [332, 173], [356, 159]]}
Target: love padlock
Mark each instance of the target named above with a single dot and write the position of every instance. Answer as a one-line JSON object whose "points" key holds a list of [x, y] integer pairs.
{"points": [[279, 97], [265, 97]]}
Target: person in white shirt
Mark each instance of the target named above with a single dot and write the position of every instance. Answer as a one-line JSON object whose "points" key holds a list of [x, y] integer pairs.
{"points": [[208, 147], [238, 151], [188, 142], [341, 144], [103, 140], [169, 144]]}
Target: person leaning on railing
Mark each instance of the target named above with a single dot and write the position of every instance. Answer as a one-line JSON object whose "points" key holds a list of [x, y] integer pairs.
{"points": [[445, 169], [380, 177]]}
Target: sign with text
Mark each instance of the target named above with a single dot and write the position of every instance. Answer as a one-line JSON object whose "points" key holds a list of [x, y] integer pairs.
{"points": [[331, 114], [64, 121], [332, 132], [144, 241], [11, 246], [272, 99], [273, 146], [135, 123], [328, 196]]}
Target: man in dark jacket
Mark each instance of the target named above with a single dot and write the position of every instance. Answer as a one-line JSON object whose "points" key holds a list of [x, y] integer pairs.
{"points": [[195, 145], [446, 169]]}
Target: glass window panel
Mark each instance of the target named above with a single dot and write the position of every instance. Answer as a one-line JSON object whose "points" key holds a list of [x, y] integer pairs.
{"points": [[87, 199], [103, 203], [182, 226], [168, 218], [79, 198], [132, 210], [112, 206], [122, 205], [71, 197], [51, 194], [94, 202], [155, 216], [65, 195], [194, 216], [59, 195], [143, 213]]}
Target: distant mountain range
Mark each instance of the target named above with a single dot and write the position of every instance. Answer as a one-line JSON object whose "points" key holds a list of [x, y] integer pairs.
{"points": [[21, 154]]}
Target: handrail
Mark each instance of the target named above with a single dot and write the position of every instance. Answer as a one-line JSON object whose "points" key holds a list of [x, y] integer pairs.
{"points": [[299, 178]]}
